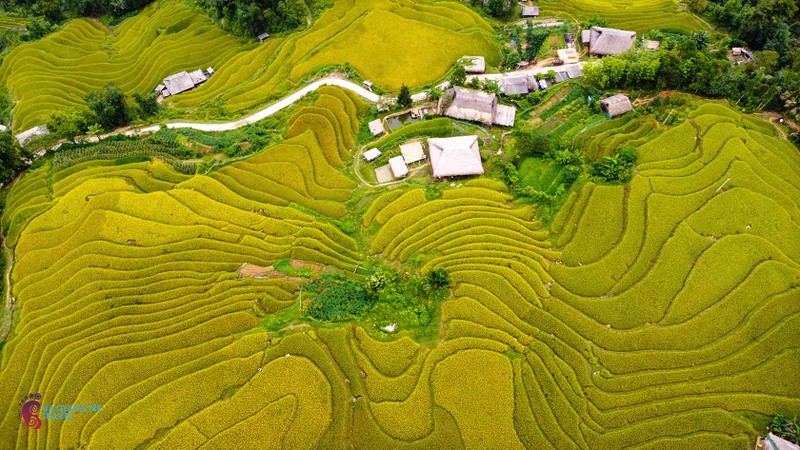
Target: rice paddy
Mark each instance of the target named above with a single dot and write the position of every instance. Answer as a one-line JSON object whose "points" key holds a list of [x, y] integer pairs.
{"points": [[646, 316], [637, 15], [166, 37]]}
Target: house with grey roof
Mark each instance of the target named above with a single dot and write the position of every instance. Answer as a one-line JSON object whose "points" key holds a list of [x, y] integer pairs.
{"points": [[183, 81], [475, 106], [473, 64], [455, 157], [515, 85], [616, 105], [530, 11], [603, 41], [23, 137]]}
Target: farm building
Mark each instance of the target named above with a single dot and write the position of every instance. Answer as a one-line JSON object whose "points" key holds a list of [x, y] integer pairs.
{"points": [[568, 55], [473, 64], [398, 166], [530, 11], [455, 156], [543, 84], [607, 41], [372, 154], [561, 76], [262, 37], [475, 106], [516, 84], [412, 152], [649, 44], [183, 81], [23, 137], [376, 127], [616, 105], [368, 85]]}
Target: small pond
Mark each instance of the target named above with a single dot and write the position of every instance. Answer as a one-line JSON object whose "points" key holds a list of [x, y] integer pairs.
{"points": [[398, 121]]}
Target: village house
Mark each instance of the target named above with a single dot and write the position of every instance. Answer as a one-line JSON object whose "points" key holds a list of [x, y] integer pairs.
{"points": [[455, 156], [475, 106], [376, 127], [517, 84], [530, 11], [650, 44], [473, 64], [262, 37], [412, 152], [23, 137], [182, 82], [616, 105], [600, 41], [372, 154], [398, 166]]}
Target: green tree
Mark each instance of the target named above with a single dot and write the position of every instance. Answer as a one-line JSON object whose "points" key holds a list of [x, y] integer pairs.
{"points": [[10, 157], [533, 142], [459, 76], [434, 93], [534, 39], [148, 103], [502, 9], [438, 279], [70, 123], [109, 107], [404, 97]]}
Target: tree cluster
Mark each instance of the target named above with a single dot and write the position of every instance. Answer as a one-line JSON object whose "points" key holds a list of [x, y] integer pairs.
{"points": [[385, 297], [685, 63], [105, 110], [617, 168], [501, 9], [253, 17], [55, 11], [785, 428]]}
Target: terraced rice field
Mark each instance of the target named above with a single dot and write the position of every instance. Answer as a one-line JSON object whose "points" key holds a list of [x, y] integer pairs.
{"points": [[637, 15], [399, 42], [656, 315]]}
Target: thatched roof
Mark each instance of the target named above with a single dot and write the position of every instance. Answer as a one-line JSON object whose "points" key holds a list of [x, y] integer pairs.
{"points": [[610, 41], [774, 442], [515, 85], [262, 37], [398, 166], [574, 71], [376, 127], [183, 81], [504, 115], [372, 154], [561, 76], [468, 104], [41, 130], [651, 44], [412, 152], [616, 105], [530, 11], [455, 156], [473, 64], [586, 36]]}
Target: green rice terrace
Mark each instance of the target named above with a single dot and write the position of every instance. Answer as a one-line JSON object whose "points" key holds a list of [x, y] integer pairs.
{"points": [[173, 300]]}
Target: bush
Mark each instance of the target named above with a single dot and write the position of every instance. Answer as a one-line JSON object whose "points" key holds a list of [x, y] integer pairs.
{"points": [[532, 142], [340, 299], [617, 168], [108, 107]]}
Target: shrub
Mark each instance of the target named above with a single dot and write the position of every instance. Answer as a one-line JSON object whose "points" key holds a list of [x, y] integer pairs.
{"points": [[344, 300]]}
